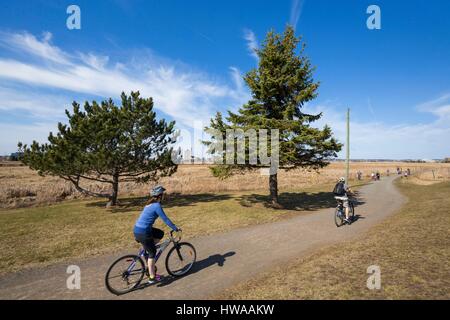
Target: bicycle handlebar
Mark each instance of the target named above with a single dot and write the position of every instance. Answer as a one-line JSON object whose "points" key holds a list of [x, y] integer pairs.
{"points": [[179, 231]]}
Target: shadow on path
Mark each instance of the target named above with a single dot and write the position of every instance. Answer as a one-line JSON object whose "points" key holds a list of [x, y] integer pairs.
{"points": [[357, 217], [212, 260], [299, 201]]}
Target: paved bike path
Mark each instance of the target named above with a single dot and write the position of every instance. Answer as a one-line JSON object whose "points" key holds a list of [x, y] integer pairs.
{"points": [[223, 259]]}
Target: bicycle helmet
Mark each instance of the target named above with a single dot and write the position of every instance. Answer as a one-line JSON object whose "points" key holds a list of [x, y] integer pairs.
{"points": [[157, 191], [341, 179]]}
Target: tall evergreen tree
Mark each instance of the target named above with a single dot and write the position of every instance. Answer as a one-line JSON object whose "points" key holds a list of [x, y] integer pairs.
{"points": [[107, 144], [280, 85]]}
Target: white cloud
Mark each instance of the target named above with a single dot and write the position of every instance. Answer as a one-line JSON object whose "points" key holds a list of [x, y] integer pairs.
{"points": [[28, 43], [185, 95], [34, 104], [11, 134], [252, 43], [377, 140], [94, 61], [440, 107], [435, 102], [241, 93], [296, 11]]}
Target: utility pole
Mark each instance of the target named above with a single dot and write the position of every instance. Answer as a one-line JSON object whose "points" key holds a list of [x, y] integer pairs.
{"points": [[347, 161]]}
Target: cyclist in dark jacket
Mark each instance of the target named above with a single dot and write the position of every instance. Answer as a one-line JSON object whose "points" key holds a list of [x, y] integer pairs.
{"points": [[341, 192]]}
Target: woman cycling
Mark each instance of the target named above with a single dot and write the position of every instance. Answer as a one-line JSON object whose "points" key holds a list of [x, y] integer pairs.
{"points": [[146, 234]]}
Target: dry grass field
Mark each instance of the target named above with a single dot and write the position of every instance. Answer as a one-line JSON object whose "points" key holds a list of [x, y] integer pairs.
{"points": [[22, 187]]}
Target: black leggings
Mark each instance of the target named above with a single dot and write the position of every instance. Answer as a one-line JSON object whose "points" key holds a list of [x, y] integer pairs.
{"points": [[148, 240]]}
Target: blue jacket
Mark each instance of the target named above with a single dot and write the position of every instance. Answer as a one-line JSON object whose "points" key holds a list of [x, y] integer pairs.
{"points": [[148, 216]]}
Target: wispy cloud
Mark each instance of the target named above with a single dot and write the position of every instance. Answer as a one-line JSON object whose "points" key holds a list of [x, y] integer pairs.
{"points": [[12, 133], [32, 104], [252, 43], [440, 107], [186, 94], [370, 107], [94, 61], [238, 79], [28, 43], [296, 12], [373, 139]]}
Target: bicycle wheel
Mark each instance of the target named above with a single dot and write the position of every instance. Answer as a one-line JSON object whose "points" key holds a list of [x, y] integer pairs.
{"points": [[180, 259], [338, 217], [125, 274], [352, 211]]}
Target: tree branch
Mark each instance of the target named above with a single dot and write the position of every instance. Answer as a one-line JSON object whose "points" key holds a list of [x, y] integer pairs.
{"points": [[76, 183]]}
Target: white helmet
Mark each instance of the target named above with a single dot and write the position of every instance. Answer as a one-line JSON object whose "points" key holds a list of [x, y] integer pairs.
{"points": [[341, 179], [157, 191]]}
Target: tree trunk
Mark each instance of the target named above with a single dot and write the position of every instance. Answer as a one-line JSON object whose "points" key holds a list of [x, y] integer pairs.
{"points": [[273, 187], [115, 192]]}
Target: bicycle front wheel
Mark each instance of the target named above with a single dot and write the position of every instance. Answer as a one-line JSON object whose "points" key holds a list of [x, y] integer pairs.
{"points": [[351, 210], [125, 274], [180, 259]]}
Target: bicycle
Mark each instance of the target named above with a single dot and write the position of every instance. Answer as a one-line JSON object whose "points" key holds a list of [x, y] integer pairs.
{"points": [[132, 268], [339, 214]]}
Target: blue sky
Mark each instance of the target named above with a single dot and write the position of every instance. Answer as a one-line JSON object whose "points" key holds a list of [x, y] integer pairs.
{"points": [[191, 55]]}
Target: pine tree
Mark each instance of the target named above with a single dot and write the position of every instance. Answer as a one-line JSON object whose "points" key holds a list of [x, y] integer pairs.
{"points": [[107, 144], [280, 85]]}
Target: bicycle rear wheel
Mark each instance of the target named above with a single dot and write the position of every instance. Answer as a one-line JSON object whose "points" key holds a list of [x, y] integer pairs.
{"points": [[180, 259], [338, 217], [125, 274]]}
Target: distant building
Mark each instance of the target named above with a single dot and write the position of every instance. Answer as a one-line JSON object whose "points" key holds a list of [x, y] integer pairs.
{"points": [[428, 160]]}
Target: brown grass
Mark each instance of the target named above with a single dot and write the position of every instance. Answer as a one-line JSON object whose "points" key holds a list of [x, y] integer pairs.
{"points": [[22, 187], [412, 249]]}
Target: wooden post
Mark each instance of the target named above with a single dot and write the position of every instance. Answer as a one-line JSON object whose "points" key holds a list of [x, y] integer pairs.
{"points": [[347, 164]]}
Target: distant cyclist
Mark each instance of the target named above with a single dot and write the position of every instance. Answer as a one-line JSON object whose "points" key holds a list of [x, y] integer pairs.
{"points": [[341, 191], [146, 234], [359, 174]]}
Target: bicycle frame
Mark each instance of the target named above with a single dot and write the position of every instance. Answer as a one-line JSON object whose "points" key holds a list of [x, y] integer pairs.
{"points": [[160, 247]]}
